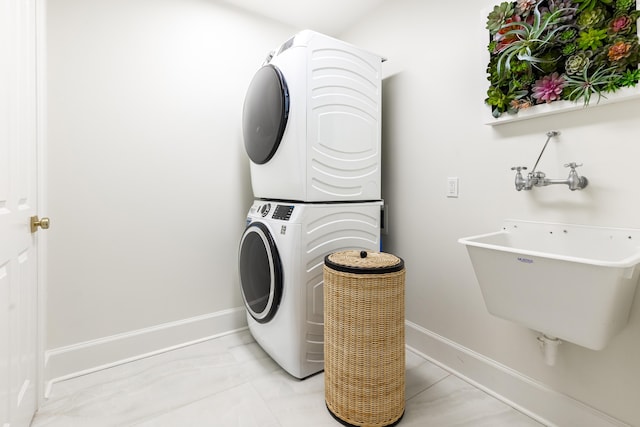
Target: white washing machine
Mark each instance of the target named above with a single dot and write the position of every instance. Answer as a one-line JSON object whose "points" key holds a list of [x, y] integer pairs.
{"points": [[280, 262], [312, 121]]}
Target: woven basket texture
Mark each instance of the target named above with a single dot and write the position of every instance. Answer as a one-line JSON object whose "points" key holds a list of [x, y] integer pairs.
{"points": [[372, 260], [364, 346]]}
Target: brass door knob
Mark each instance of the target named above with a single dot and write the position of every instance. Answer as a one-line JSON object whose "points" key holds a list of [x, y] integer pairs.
{"points": [[43, 223]]}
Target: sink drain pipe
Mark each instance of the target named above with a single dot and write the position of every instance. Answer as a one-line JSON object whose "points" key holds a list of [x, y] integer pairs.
{"points": [[549, 346]]}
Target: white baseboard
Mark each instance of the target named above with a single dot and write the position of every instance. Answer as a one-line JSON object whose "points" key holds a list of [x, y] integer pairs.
{"points": [[90, 356], [527, 395]]}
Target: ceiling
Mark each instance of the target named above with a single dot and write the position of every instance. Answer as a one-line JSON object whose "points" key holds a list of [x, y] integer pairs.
{"points": [[331, 17]]}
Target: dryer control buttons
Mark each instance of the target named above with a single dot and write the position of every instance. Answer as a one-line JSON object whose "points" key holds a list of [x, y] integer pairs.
{"points": [[283, 212], [264, 210]]}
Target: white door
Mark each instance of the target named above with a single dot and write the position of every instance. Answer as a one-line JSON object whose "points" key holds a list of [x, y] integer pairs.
{"points": [[18, 263]]}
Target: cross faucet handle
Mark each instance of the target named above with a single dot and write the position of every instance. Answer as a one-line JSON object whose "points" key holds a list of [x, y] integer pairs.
{"points": [[572, 165], [519, 168]]}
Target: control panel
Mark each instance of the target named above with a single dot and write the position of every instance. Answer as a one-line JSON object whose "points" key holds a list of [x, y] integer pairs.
{"points": [[283, 212]]}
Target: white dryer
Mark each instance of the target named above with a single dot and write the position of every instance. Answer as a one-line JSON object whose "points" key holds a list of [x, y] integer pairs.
{"points": [[280, 262], [312, 121]]}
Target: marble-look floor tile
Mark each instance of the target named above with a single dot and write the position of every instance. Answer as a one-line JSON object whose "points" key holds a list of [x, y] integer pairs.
{"points": [[295, 402], [453, 402], [216, 348], [238, 407], [230, 381], [153, 386], [421, 374]]}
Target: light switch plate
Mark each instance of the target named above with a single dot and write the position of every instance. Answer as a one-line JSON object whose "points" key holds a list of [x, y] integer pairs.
{"points": [[452, 186]]}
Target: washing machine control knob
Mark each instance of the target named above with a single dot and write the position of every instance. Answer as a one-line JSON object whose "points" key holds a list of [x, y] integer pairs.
{"points": [[265, 209]]}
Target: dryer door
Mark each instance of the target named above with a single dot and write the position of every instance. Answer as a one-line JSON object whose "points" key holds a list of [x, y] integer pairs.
{"points": [[265, 114], [260, 272]]}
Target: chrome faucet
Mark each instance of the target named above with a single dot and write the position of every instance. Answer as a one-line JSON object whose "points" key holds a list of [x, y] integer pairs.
{"points": [[520, 182], [575, 181], [539, 178]]}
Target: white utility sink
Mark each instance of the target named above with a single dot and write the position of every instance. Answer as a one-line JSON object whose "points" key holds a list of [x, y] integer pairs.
{"points": [[567, 281]]}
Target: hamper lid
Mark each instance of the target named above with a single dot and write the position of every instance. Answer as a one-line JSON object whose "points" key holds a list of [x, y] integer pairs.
{"points": [[364, 262]]}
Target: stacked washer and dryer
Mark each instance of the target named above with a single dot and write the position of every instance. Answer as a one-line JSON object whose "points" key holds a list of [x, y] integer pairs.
{"points": [[311, 127]]}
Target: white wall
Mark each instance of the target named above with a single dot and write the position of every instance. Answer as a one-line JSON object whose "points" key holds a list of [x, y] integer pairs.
{"points": [[148, 182], [434, 88]]}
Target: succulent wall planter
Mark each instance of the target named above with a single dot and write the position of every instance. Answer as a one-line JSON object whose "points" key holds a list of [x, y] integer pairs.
{"points": [[547, 56]]}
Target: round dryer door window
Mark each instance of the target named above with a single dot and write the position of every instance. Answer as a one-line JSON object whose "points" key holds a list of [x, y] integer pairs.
{"points": [[265, 114], [260, 272]]}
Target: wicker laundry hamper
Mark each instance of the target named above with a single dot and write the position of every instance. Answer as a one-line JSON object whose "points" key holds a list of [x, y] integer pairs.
{"points": [[364, 353]]}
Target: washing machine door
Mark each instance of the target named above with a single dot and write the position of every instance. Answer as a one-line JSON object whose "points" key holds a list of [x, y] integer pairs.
{"points": [[265, 114], [260, 272]]}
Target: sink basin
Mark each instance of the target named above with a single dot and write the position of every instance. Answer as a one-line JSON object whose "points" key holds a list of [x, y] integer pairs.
{"points": [[573, 282]]}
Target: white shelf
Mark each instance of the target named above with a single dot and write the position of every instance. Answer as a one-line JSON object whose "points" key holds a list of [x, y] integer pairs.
{"points": [[623, 94]]}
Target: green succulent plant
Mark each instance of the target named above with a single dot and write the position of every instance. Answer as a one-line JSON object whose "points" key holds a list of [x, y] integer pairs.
{"points": [[612, 86], [584, 85], [629, 78], [591, 18], [568, 35], [569, 49], [624, 5], [591, 39], [498, 16], [524, 81], [519, 67], [590, 4], [577, 63], [500, 99], [530, 39]]}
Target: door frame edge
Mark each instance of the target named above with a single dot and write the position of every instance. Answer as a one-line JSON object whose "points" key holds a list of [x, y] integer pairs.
{"points": [[41, 189]]}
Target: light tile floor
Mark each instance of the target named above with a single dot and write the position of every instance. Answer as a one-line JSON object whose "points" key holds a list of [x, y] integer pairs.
{"points": [[230, 381]]}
